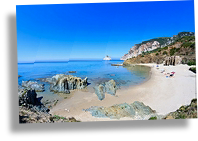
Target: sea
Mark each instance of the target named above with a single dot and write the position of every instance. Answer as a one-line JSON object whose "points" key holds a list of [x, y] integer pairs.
{"points": [[97, 71]]}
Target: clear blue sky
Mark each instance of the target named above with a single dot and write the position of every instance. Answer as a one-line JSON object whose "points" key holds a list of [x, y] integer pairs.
{"points": [[91, 31]]}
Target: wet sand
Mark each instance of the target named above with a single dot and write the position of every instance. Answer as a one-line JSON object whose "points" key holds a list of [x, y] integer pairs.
{"points": [[160, 93]]}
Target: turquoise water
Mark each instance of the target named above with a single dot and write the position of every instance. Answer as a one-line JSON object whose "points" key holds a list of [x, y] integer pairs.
{"points": [[96, 71]]}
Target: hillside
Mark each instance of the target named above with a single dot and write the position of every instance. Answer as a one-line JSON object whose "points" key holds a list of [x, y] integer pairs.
{"points": [[153, 44], [182, 46]]}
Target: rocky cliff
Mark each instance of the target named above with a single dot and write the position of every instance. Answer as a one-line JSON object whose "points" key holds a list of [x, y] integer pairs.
{"points": [[182, 50], [153, 44]]}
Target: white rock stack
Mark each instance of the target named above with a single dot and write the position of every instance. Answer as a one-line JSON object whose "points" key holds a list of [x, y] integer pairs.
{"points": [[107, 58]]}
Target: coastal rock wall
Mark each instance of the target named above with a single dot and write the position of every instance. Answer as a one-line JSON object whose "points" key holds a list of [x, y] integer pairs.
{"points": [[172, 60], [61, 83]]}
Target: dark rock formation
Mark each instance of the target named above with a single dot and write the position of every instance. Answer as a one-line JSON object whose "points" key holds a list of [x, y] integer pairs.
{"points": [[172, 60], [33, 85], [61, 83], [28, 99]]}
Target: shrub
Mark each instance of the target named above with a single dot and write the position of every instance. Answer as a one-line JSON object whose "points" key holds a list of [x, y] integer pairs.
{"points": [[187, 44], [165, 53], [181, 116], [153, 118], [156, 54], [192, 45], [191, 62], [193, 69], [172, 51], [165, 48]]}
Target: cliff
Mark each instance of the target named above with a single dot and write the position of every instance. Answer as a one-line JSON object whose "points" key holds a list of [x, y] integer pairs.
{"points": [[153, 44], [181, 50]]}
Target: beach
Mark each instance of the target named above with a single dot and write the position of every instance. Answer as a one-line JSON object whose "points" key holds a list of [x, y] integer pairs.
{"points": [[162, 94]]}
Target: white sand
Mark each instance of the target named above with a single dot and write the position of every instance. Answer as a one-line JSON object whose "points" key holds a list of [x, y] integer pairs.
{"points": [[160, 93]]}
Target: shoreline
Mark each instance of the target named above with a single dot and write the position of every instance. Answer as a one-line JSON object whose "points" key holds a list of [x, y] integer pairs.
{"points": [[162, 94]]}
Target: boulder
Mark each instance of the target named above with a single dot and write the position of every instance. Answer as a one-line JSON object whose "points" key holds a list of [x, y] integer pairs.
{"points": [[106, 87], [62, 83], [100, 91], [72, 71], [141, 109], [31, 97], [136, 110], [33, 85], [110, 87]]}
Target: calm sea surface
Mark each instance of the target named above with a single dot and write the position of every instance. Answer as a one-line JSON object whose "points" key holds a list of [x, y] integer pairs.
{"points": [[96, 71]]}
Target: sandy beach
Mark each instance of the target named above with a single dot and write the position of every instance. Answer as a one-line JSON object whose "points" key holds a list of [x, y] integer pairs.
{"points": [[159, 92]]}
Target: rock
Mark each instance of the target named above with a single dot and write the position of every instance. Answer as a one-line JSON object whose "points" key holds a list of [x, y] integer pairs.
{"points": [[100, 91], [136, 110], [107, 58], [61, 83], [116, 64], [172, 60], [33, 85], [141, 109], [110, 87], [72, 71], [31, 97]]}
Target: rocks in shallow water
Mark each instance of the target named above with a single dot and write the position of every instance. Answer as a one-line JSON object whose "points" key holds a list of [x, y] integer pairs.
{"points": [[100, 91], [72, 71], [136, 110], [108, 87], [19, 76], [33, 85], [61, 83]]}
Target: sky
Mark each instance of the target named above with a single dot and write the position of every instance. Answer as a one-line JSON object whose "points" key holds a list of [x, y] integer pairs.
{"points": [[63, 32]]}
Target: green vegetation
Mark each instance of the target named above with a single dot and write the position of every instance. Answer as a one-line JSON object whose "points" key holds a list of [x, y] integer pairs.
{"points": [[186, 44], [165, 53], [173, 50], [157, 54], [161, 40], [180, 116], [186, 39], [58, 117], [153, 118], [193, 69], [191, 62]]}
